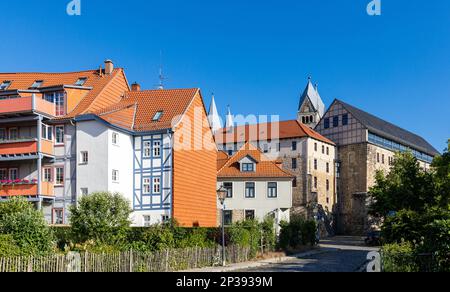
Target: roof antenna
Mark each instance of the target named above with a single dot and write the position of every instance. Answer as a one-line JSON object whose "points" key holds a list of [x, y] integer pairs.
{"points": [[161, 75]]}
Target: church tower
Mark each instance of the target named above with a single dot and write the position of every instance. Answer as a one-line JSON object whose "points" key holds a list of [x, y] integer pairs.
{"points": [[311, 108]]}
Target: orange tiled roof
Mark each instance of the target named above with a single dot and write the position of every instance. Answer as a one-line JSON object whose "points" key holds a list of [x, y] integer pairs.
{"points": [[222, 158], [268, 131], [23, 81], [136, 110], [265, 168]]}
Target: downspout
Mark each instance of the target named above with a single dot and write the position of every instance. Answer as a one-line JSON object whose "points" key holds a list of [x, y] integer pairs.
{"points": [[39, 160]]}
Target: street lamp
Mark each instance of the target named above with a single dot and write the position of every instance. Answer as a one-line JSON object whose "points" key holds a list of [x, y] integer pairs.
{"points": [[222, 195]]}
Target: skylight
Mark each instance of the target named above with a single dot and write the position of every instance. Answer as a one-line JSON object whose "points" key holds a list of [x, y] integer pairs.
{"points": [[81, 81], [37, 84], [5, 85], [158, 116]]}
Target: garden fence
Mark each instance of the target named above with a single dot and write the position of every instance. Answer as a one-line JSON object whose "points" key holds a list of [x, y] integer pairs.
{"points": [[163, 261]]}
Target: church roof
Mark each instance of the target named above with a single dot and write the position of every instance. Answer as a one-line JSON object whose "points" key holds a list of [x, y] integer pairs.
{"points": [[313, 95], [390, 131]]}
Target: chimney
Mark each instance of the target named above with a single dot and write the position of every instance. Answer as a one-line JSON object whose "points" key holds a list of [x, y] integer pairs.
{"points": [[135, 87], [109, 67]]}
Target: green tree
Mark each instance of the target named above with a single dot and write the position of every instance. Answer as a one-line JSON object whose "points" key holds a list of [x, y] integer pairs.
{"points": [[26, 226], [101, 217]]}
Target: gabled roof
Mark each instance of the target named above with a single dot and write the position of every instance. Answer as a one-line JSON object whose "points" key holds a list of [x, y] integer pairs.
{"points": [[390, 131], [95, 83], [265, 168], [135, 112], [268, 131], [313, 95]]}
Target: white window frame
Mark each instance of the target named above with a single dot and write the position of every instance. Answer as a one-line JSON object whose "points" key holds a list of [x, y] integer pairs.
{"points": [[146, 186], [84, 157], [56, 176], [147, 220], [156, 148], [115, 176], [56, 135], [147, 149], [47, 132], [115, 138], [54, 210], [9, 133], [5, 134], [254, 190], [269, 195], [47, 174], [156, 185], [10, 173], [5, 172]]}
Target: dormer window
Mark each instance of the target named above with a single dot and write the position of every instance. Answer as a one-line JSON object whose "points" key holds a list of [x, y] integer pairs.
{"points": [[37, 84], [157, 116], [248, 167], [5, 85], [81, 81]]}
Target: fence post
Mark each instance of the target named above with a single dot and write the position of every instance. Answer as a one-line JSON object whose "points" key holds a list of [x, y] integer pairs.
{"points": [[167, 260], [131, 261]]}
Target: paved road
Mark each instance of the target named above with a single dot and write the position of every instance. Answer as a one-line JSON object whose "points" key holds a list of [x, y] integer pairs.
{"points": [[340, 254]]}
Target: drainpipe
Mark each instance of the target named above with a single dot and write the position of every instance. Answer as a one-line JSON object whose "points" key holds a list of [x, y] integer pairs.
{"points": [[39, 160]]}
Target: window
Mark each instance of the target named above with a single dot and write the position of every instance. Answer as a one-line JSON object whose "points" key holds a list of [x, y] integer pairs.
{"points": [[157, 116], [315, 147], [248, 167], [47, 132], [3, 174], [228, 217], [60, 108], [249, 214], [229, 187], [84, 157], [13, 134], [328, 167], [3, 135], [115, 138], [47, 174], [147, 149], [59, 134], [156, 149], [382, 158], [165, 218], [115, 175], [294, 163], [5, 85], [156, 185], [250, 190], [58, 216], [294, 146], [327, 123], [345, 120], [328, 185], [147, 220], [50, 97], [315, 164], [278, 147], [336, 121], [81, 81], [84, 191], [328, 150], [59, 177], [294, 183], [266, 148], [37, 84], [378, 157], [13, 173], [315, 182], [146, 186], [272, 190]]}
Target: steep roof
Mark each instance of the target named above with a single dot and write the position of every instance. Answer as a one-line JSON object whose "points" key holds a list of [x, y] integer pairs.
{"points": [[265, 168], [95, 82], [268, 131], [390, 131], [313, 95], [137, 109]]}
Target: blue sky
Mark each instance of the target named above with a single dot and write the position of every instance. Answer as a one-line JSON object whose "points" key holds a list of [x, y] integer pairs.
{"points": [[254, 55]]}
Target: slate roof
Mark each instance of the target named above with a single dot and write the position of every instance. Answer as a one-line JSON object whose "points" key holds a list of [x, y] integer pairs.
{"points": [[313, 94], [390, 131]]}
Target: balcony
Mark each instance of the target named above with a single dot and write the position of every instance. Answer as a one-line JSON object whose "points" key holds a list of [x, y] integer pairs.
{"points": [[24, 105], [25, 188], [25, 146]]}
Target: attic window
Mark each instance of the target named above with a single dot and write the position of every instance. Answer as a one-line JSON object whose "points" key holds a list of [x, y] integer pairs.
{"points": [[158, 116], [37, 84], [81, 81], [5, 85]]}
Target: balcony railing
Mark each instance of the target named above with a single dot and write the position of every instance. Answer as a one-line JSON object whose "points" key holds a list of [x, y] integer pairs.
{"points": [[21, 146], [25, 188], [26, 104]]}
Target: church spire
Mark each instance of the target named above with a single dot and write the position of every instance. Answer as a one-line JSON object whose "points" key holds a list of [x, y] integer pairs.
{"points": [[213, 116], [230, 120], [311, 107]]}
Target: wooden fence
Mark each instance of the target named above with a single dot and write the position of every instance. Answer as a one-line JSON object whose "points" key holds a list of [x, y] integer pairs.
{"points": [[163, 261]]}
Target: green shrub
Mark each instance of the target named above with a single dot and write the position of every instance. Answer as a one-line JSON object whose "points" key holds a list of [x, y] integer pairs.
{"points": [[246, 234], [399, 258], [297, 233], [8, 247], [102, 218], [27, 226]]}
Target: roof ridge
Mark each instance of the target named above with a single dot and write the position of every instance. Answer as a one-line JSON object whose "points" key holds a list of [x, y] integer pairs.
{"points": [[57, 73]]}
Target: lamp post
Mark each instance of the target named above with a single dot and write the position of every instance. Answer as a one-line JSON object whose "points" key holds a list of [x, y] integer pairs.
{"points": [[222, 195]]}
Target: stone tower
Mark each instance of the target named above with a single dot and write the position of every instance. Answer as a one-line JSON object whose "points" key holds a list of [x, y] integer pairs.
{"points": [[311, 108]]}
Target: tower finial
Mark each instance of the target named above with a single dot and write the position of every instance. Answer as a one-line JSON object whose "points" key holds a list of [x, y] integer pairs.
{"points": [[161, 75]]}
